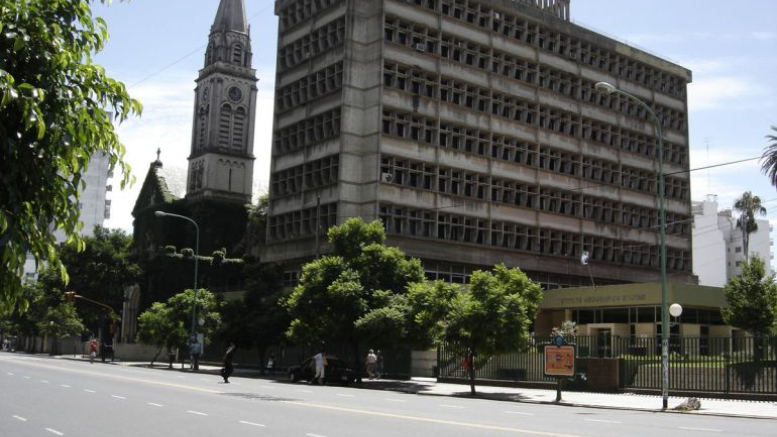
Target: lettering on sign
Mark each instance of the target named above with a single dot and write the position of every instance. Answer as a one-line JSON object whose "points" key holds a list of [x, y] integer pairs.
{"points": [[560, 361]]}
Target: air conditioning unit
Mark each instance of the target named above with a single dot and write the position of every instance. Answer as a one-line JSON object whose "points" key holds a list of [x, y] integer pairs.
{"points": [[386, 177], [421, 47]]}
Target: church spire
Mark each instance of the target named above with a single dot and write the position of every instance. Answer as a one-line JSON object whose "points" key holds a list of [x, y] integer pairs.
{"points": [[231, 17]]}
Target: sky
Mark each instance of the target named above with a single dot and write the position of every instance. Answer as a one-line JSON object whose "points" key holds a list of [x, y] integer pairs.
{"points": [[157, 48]]}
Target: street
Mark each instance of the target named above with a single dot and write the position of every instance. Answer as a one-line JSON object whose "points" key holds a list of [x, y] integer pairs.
{"points": [[44, 397]]}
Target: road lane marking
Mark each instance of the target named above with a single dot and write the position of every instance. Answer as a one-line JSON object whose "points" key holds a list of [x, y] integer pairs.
{"points": [[205, 379], [314, 435], [26, 377], [305, 391], [699, 429], [19, 418], [11, 374], [89, 391], [519, 412], [64, 385], [450, 406], [431, 420], [54, 431], [394, 400], [197, 413], [118, 397], [251, 423], [601, 421], [345, 395], [154, 405], [44, 381], [266, 386]]}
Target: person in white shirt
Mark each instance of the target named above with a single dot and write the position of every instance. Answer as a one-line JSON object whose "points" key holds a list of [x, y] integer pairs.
{"points": [[320, 361], [372, 359]]}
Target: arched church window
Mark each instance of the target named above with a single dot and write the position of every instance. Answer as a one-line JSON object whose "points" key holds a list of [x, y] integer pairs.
{"points": [[237, 54], [202, 119], [209, 54], [225, 120], [238, 128]]}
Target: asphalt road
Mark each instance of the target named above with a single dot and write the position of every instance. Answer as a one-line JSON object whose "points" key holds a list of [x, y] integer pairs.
{"points": [[54, 397]]}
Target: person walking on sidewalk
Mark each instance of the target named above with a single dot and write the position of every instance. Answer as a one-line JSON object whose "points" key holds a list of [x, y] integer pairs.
{"points": [[92, 350], [320, 362], [226, 372], [372, 359]]}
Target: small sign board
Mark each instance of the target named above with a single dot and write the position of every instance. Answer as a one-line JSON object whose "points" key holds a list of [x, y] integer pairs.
{"points": [[560, 361]]}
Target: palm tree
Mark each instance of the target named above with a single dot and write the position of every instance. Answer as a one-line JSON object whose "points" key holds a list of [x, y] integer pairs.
{"points": [[748, 205], [769, 158]]}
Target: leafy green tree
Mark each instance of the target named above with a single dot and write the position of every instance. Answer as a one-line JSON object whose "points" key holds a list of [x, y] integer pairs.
{"points": [[769, 158], [748, 205], [752, 300], [354, 295], [156, 327], [60, 321], [99, 273], [56, 111], [490, 316]]}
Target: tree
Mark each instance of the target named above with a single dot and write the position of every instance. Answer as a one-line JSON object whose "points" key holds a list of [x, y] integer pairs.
{"points": [[356, 293], [490, 316], [99, 273], [752, 300], [169, 324], [749, 206], [56, 111], [769, 158]]}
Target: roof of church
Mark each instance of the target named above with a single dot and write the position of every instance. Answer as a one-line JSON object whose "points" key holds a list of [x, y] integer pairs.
{"points": [[231, 17], [159, 187]]}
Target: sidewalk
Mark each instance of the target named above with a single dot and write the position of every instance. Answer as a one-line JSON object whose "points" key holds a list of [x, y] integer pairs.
{"points": [[430, 387]]}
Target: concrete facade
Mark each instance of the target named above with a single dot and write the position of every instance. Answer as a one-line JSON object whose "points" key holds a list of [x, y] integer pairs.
{"points": [[473, 131], [718, 243]]}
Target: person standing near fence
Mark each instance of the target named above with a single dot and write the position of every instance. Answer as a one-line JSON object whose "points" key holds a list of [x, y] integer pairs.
{"points": [[226, 372], [92, 350], [372, 359]]}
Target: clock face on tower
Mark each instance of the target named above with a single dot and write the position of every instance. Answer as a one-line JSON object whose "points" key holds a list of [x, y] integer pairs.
{"points": [[235, 94], [205, 94]]}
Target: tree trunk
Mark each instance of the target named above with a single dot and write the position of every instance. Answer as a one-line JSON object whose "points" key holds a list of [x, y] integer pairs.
{"points": [[156, 356], [470, 360]]}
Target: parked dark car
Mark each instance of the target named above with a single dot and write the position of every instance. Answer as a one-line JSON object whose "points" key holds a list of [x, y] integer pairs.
{"points": [[336, 370]]}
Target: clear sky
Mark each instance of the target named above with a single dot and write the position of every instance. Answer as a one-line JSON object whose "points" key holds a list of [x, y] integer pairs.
{"points": [[157, 48]]}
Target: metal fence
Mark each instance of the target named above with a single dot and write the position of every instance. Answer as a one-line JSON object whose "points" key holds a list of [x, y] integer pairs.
{"points": [[731, 365]]}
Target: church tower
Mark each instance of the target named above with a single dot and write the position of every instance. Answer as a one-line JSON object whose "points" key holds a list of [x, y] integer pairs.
{"points": [[221, 161]]}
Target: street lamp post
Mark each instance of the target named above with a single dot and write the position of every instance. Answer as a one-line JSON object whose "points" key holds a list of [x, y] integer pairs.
{"points": [[193, 344], [606, 88]]}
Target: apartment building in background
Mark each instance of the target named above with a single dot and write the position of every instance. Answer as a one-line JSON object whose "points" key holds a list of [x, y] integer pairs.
{"points": [[718, 243], [472, 129]]}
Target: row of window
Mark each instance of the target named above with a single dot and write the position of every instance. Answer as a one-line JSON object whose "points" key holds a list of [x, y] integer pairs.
{"points": [[310, 175], [525, 112], [313, 86], [484, 143], [310, 131], [302, 223], [312, 44], [478, 13], [544, 241], [234, 54], [299, 11], [574, 203]]}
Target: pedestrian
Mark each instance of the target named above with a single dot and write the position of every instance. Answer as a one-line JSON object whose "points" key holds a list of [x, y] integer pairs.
{"points": [[92, 350], [319, 360], [372, 359], [227, 370], [379, 365], [271, 365]]}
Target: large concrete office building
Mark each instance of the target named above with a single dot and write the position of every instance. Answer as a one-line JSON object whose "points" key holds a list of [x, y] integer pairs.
{"points": [[472, 129]]}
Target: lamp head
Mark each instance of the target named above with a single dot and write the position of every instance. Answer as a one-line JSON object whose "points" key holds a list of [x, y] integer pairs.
{"points": [[675, 309], [160, 213], [605, 88]]}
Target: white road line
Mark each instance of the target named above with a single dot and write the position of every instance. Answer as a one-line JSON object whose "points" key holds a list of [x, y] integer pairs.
{"points": [[89, 391], [204, 379], [118, 397], [305, 391], [699, 429], [11, 374], [519, 412], [601, 421], [154, 405], [54, 431], [64, 385], [19, 418], [266, 386], [44, 381], [251, 423], [394, 400], [450, 406], [314, 435], [197, 413], [345, 395], [26, 377]]}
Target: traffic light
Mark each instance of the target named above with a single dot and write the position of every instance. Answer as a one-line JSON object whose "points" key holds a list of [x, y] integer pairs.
{"points": [[70, 296]]}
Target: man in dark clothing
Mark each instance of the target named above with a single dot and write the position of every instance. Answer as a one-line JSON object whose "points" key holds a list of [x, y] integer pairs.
{"points": [[226, 372]]}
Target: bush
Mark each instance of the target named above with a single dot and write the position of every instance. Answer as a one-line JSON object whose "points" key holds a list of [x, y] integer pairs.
{"points": [[170, 250], [187, 252]]}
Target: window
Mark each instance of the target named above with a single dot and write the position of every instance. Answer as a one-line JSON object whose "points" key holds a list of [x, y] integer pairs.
{"points": [[738, 249]]}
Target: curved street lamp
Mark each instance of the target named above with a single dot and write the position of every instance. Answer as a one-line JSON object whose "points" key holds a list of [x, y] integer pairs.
{"points": [[607, 89], [193, 343]]}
